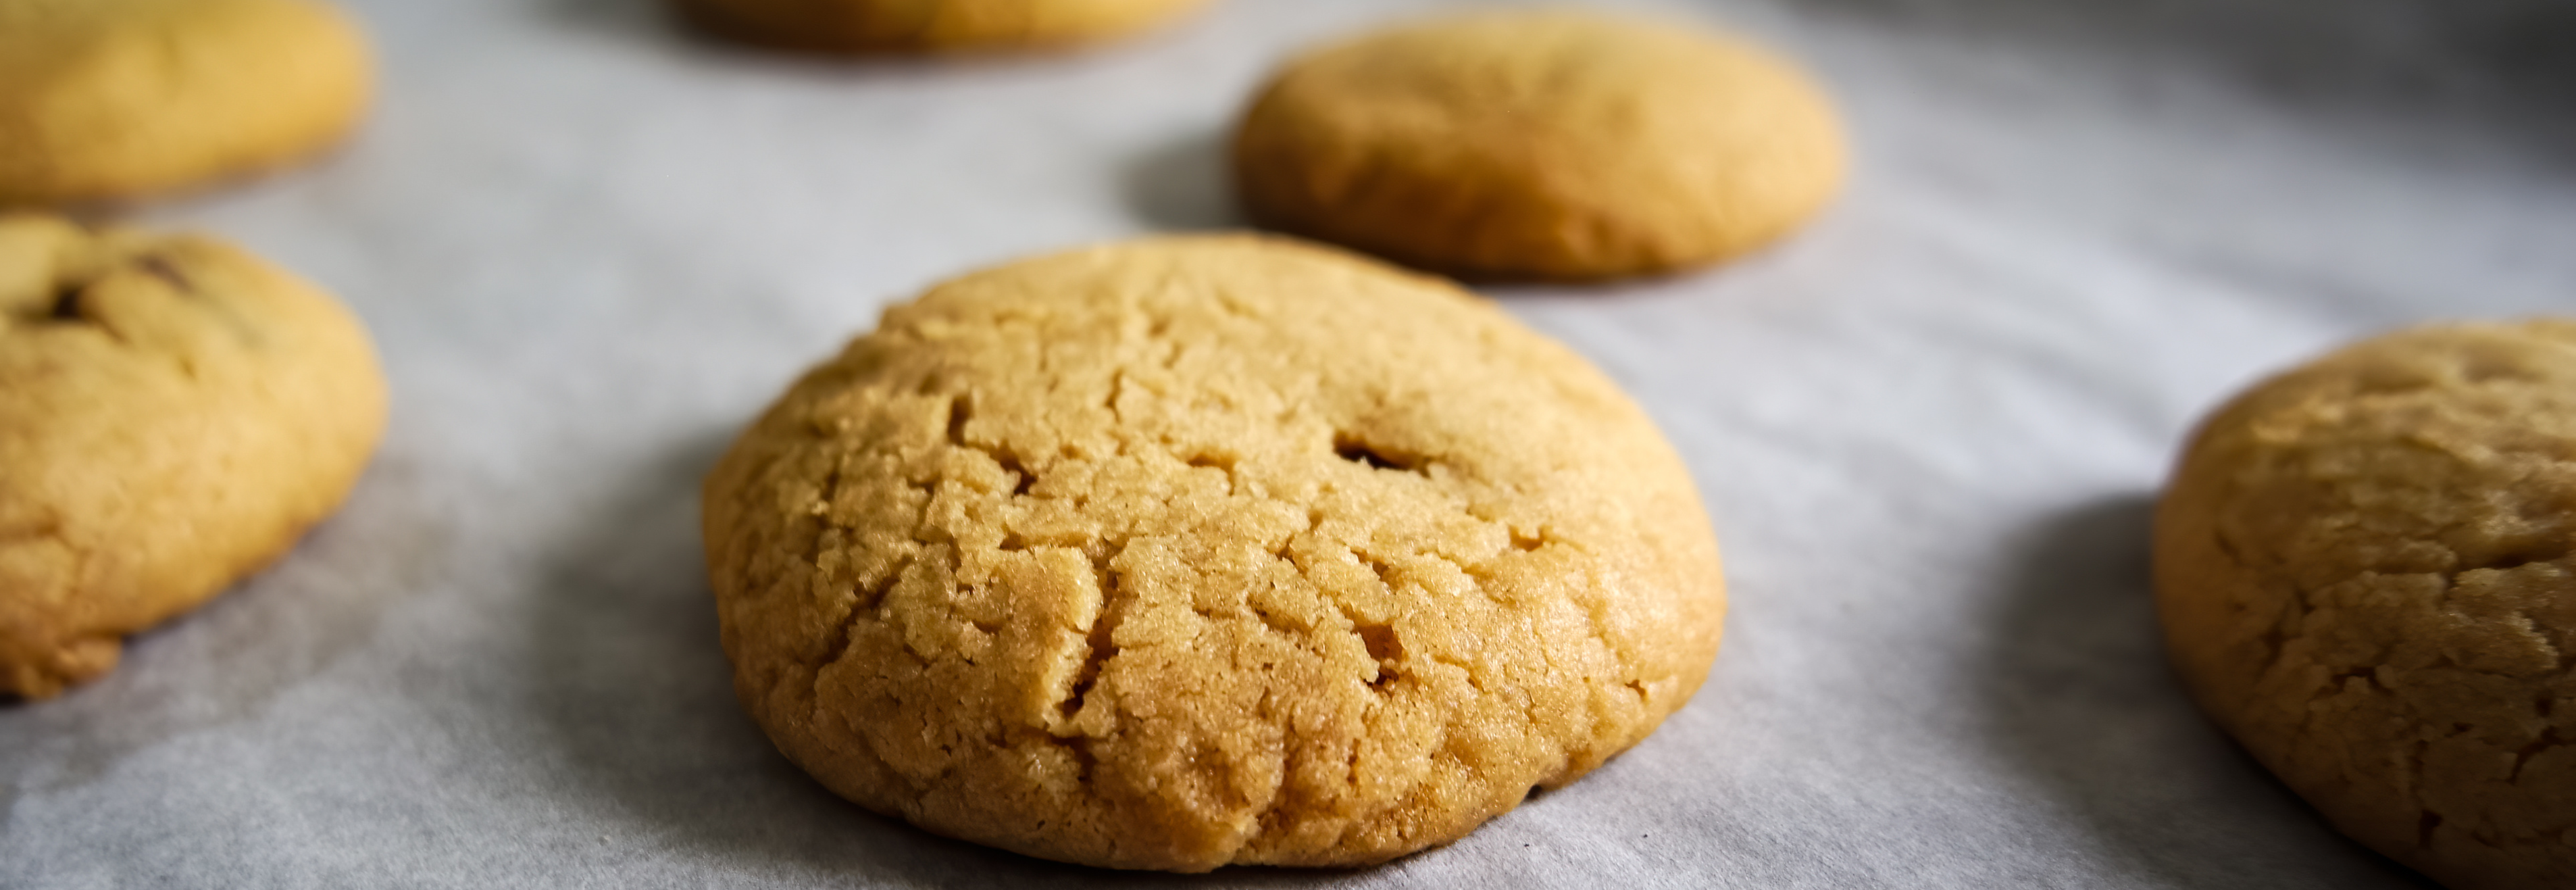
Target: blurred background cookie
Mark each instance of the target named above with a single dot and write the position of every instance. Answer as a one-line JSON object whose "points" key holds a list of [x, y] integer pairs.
{"points": [[174, 413], [1195, 551], [927, 25], [1539, 144], [125, 98], [2367, 571]]}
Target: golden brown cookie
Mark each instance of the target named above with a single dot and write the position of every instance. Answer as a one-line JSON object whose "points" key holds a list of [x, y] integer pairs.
{"points": [[173, 414], [1195, 551], [1539, 144], [122, 98], [2367, 571], [927, 25]]}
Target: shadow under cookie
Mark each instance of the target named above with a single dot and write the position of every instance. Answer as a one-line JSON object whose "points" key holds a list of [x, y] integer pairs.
{"points": [[1197, 551], [629, 697], [2078, 697]]}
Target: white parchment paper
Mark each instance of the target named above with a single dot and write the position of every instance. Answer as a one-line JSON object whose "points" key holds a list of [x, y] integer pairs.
{"points": [[1929, 428]]}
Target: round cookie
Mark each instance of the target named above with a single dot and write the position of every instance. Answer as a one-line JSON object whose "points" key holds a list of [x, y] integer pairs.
{"points": [[1539, 144], [122, 98], [927, 25], [2367, 574], [173, 414], [1205, 550]]}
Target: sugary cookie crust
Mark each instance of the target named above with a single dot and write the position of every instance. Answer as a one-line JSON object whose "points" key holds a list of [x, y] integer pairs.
{"points": [[2365, 573], [1546, 144], [1197, 551], [927, 25], [173, 414], [105, 99]]}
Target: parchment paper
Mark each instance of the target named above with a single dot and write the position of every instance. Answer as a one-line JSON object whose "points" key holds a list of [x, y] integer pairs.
{"points": [[1930, 429]]}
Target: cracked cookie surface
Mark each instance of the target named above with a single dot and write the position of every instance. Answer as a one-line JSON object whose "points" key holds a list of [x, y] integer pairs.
{"points": [[124, 98], [174, 413], [1539, 144], [1194, 551], [927, 25], [2367, 573]]}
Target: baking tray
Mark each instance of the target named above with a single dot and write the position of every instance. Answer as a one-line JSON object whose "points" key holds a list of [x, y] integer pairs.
{"points": [[1930, 429]]}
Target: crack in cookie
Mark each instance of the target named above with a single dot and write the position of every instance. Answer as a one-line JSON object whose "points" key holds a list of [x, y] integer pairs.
{"points": [[115, 348], [2364, 570], [1232, 550]]}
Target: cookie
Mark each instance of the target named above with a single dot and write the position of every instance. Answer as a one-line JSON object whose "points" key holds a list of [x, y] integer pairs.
{"points": [[1205, 550], [126, 98], [2367, 573], [855, 26], [173, 414], [1539, 144]]}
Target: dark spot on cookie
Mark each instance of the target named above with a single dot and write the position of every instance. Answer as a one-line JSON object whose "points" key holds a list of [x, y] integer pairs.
{"points": [[2516, 554], [1351, 448], [959, 412], [161, 267], [67, 304], [1385, 649], [1100, 650], [1100, 644], [2273, 640], [1279, 624], [1028, 478], [2548, 739], [1385, 573], [1525, 542], [1084, 762], [2368, 676]]}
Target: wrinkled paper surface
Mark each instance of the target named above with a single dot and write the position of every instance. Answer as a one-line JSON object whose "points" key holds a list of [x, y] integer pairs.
{"points": [[1930, 429]]}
